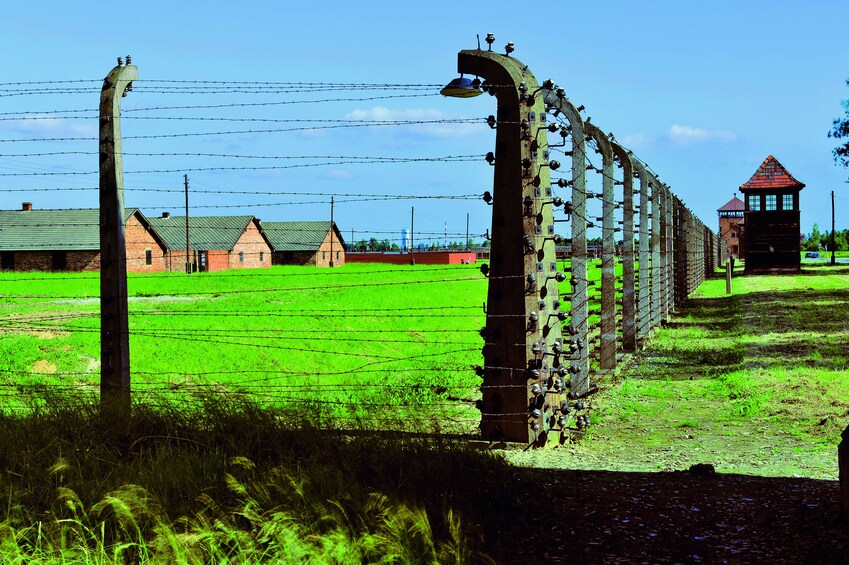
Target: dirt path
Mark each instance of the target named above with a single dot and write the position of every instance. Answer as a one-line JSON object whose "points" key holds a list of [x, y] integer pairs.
{"points": [[680, 517]]}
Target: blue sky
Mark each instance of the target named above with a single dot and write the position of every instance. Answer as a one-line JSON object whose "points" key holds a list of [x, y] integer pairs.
{"points": [[702, 92]]}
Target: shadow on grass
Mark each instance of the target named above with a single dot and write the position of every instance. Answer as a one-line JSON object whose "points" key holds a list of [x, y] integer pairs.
{"points": [[782, 328], [228, 462], [680, 517]]}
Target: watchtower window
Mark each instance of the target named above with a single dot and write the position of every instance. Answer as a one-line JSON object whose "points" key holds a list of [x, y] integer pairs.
{"points": [[771, 202], [754, 201], [787, 202]]}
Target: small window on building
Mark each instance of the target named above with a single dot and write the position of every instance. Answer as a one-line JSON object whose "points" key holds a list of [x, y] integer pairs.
{"points": [[241, 257], [787, 202], [754, 201], [261, 256], [148, 257], [323, 255], [337, 255], [733, 234], [771, 201]]}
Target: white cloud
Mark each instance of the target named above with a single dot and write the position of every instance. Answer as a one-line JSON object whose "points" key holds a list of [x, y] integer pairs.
{"points": [[41, 125], [636, 141], [687, 135], [678, 135], [339, 174], [311, 133], [446, 129]]}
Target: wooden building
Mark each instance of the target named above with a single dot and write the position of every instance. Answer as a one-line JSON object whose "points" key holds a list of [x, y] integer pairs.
{"points": [[771, 219], [730, 219], [216, 243], [69, 240], [305, 243]]}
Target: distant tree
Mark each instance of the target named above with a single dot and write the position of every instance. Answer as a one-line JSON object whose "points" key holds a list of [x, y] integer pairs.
{"points": [[395, 247], [813, 240], [840, 241], [840, 130]]}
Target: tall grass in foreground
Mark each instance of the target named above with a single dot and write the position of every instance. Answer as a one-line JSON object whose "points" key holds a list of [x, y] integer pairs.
{"points": [[220, 481]]}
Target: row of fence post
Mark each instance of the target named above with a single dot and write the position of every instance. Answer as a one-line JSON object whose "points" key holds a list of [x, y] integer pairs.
{"points": [[540, 366]]}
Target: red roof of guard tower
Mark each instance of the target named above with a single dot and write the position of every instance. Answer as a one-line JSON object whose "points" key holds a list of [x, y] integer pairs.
{"points": [[733, 205], [771, 175]]}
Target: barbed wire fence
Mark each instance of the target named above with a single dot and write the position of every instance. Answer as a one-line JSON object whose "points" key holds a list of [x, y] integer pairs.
{"points": [[359, 375]]}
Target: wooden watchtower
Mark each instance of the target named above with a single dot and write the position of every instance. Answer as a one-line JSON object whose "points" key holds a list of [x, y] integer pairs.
{"points": [[771, 219]]}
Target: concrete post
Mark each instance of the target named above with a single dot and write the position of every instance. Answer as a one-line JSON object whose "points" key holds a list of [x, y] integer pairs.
{"points": [[656, 269], [680, 254], [607, 345], [669, 277], [556, 99], [114, 333], [629, 322], [663, 310], [521, 388], [643, 304]]}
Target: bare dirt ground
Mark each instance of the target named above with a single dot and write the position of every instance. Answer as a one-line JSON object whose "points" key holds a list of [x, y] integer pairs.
{"points": [[581, 516]]}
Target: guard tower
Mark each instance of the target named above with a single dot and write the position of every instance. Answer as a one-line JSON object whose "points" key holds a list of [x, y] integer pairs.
{"points": [[730, 218], [772, 219]]}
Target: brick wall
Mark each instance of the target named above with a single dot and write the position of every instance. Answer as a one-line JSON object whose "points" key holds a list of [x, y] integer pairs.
{"points": [[251, 244], [43, 260], [422, 258], [728, 226], [139, 241], [82, 261], [293, 258], [322, 256]]}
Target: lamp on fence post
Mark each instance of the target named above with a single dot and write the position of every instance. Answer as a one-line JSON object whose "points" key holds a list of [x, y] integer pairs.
{"points": [[114, 332], [519, 396]]}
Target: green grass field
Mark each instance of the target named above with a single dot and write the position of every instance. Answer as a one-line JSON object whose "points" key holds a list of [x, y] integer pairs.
{"points": [[354, 336], [756, 382], [362, 345], [235, 374]]}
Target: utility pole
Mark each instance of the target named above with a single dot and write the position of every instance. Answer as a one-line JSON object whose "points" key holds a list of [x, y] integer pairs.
{"points": [[412, 226], [466, 247], [331, 232], [188, 261], [833, 260], [114, 327]]}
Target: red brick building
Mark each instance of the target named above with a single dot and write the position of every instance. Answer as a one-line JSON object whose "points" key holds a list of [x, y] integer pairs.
{"points": [[216, 243], [420, 257], [305, 243], [69, 240], [771, 219], [730, 219]]}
